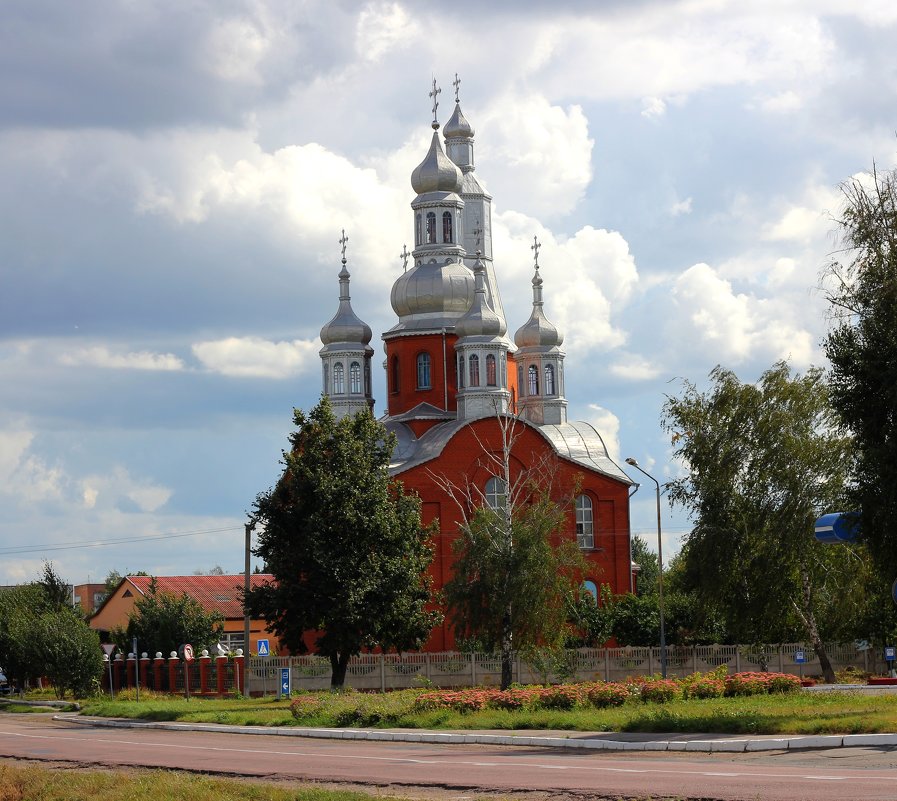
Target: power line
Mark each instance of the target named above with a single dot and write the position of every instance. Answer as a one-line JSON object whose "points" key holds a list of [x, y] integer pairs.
{"points": [[21, 549]]}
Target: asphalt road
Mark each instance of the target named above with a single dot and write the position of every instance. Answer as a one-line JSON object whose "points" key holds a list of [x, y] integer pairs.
{"points": [[465, 770]]}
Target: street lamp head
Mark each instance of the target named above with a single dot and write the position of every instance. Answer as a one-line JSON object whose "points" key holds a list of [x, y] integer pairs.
{"points": [[632, 461]]}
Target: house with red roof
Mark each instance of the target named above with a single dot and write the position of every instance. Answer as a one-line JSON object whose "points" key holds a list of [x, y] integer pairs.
{"points": [[214, 593]]}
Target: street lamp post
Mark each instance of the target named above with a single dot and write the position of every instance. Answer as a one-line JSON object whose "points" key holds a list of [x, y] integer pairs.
{"points": [[246, 584], [663, 636]]}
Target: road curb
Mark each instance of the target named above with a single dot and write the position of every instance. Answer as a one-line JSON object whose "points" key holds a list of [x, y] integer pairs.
{"points": [[704, 745]]}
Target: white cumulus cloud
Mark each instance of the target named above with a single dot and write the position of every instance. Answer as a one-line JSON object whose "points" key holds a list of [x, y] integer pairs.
{"points": [[101, 356], [254, 357]]}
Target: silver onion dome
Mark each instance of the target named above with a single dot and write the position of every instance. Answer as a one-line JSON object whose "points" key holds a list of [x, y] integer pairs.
{"points": [[437, 172], [458, 127], [480, 319], [433, 289], [538, 332], [345, 325]]}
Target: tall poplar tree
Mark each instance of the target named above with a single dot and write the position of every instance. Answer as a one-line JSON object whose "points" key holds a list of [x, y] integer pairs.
{"points": [[344, 543], [763, 461], [861, 283]]}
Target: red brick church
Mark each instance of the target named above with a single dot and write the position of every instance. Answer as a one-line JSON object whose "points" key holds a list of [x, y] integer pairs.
{"points": [[452, 369]]}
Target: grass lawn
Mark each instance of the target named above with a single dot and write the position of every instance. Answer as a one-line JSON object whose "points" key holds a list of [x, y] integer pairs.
{"points": [[795, 713], [41, 784]]}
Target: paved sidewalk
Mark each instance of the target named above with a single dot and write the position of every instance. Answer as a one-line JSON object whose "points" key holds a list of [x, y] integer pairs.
{"points": [[595, 741]]}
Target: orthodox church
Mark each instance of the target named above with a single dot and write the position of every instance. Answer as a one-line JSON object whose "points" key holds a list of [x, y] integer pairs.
{"points": [[460, 390]]}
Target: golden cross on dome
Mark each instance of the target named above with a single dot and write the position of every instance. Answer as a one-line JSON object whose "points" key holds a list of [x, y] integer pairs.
{"points": [[404, 257], [342, 240], [456, 83], [535, 248], [436, 91]]}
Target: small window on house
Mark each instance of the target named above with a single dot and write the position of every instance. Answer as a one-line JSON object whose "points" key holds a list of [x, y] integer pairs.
{"points": [[549, 379], [431, 227], [339, 379], [126, 594], [490, 370], [423, 371], [533, 385], [355, 378], [591, 588], [394, 374], [496, 493], [585, 531], [446, 226], [474, 362]]}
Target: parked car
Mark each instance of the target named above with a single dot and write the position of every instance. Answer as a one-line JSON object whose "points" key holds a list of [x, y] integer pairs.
{"points": [[5, 686]]}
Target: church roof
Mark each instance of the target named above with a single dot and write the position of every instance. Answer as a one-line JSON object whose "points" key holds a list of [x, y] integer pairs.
{"points": [[577, 442]]}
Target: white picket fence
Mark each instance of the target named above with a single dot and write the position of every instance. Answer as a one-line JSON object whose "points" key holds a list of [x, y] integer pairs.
{"points": [[452, 669]]}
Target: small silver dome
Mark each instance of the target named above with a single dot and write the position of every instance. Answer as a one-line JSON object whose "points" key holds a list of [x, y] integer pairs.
{"points": [[437, 172], [433, 288], [458, 127], [480, 319], [345, 325], [538, 332]]}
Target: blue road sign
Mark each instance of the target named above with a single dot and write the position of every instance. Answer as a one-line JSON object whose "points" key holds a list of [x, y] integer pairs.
{"points": [[799, 657], [890, 653], [264, 650], [285, 681]]}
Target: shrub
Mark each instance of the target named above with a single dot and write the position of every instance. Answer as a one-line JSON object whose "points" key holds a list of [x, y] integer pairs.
{"points": [[659, 690], [704, 687], [604, 694], [305, 706], [783, 683], [561, 696], [757, 683]]}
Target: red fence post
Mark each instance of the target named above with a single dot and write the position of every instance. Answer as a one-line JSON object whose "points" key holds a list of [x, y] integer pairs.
{"points": [[221, 674], [204, 661], [117, 667], [172, 672], [240, 673], [158, 662], [144, 669]]}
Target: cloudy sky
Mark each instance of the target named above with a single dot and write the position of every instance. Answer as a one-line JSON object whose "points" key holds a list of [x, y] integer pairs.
{"points": [[174, 178]]}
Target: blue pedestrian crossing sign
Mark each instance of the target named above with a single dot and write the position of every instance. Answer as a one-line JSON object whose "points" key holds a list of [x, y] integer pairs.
{"points": [[890, 653], [284, 681], [264, 650], [799, 657]]}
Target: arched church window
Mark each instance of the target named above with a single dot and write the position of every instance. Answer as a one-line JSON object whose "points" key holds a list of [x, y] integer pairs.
{"points": [[496, 493], [474, 370], [549, 379], [460, 372], [490, 370], [367, 377], [520, 379], [533, 385], [417, 230], [513, 401], [585, 529], [339, 381], [394, 374], [446, 226], [423, 371], [431, 227], [355, 378], [591, 588], [326, 380]]}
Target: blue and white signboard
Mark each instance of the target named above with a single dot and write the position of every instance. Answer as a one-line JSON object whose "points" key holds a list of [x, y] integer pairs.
{"points": [[800, 657], [264, 650], [890, 653], [837, 527], [284, 681]]}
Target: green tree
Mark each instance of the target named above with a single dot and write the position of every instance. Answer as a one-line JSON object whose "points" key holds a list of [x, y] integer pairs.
{"points": [[862, 348], [68, 652], [344, 543], [763, 461], [646, 559], [42, 634], [515, 571], [163, 621]]}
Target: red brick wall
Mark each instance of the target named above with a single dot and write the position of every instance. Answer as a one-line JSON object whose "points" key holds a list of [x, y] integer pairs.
{"points": [[463, 459]]}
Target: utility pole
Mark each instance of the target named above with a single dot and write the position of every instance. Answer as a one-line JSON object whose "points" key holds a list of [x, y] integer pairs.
{"points": [[249, 527]]}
